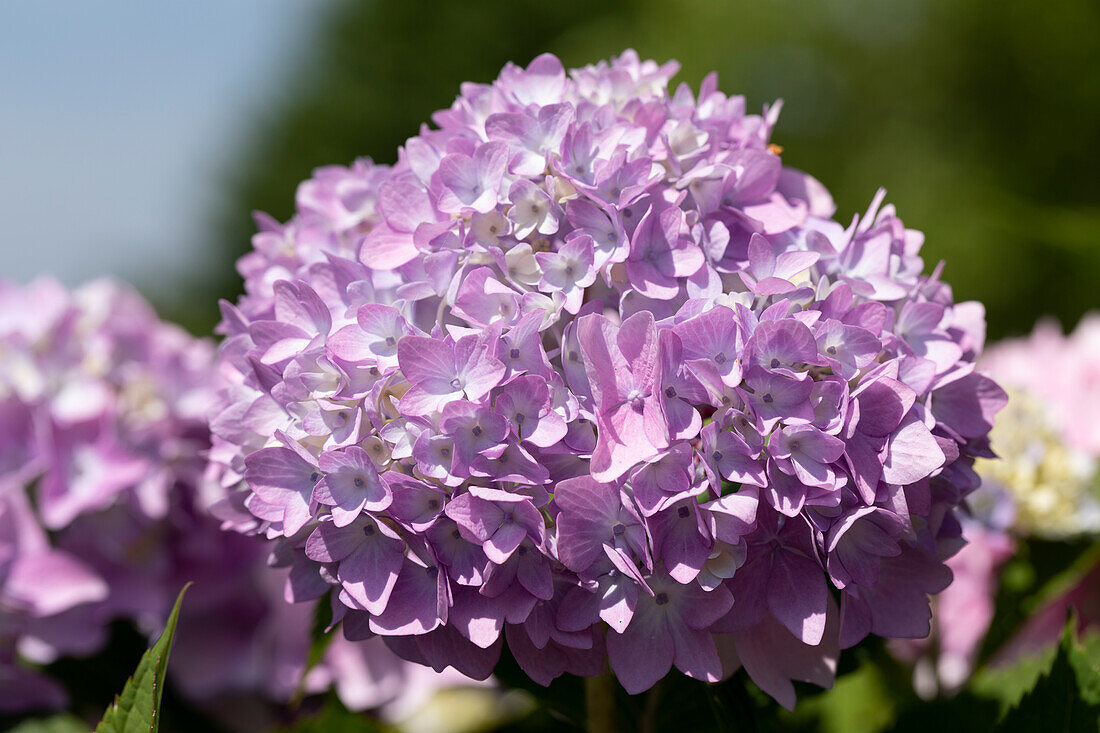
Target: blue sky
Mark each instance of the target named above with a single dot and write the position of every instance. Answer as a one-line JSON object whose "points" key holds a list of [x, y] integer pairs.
{"points": [[116, 124]]}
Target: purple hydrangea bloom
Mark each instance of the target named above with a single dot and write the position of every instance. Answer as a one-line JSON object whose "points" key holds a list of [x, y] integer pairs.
{"points": [[101, 475], [104, 496], [639, 367]]}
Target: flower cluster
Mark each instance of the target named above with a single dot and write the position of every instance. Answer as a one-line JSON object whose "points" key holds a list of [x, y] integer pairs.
{"points": [[103, 514], [1048, 439], [590, 371], [102, 425]]}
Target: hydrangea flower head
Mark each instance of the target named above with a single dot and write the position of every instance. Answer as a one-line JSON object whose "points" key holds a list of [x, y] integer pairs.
{"points": [[103, 431], [102, 423], [628, 392]]}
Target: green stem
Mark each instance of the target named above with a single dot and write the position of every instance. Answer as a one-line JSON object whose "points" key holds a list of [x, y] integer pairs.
{"points": [[599, 698]]}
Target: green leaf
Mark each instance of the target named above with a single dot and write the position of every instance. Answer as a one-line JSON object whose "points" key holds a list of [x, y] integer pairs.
{"points": [[137, 707], [1086, 663], [1056, 703], [1008, 685]]}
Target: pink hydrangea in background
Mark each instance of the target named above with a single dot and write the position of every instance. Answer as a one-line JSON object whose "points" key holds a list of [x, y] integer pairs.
{"points": [[1061, 371], [102, 426], [103, 435], [589, 371], [1049, 438]]}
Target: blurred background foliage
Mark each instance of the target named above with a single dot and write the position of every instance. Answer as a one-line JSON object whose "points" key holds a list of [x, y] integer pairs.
{"points": [[980, 118]]}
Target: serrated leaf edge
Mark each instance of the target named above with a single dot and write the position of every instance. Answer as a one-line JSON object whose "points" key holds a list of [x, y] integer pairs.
{"points": [[117, 718]]}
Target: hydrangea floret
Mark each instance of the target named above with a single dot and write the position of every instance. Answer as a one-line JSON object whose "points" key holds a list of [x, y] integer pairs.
{"points": [[589, 371]]}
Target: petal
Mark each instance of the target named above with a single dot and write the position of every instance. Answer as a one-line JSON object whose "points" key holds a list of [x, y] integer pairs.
{"points": [[370, 573], [798, 596], [696, 655], [773, 657], [643, 654], [504, 542], [911, 454]]}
